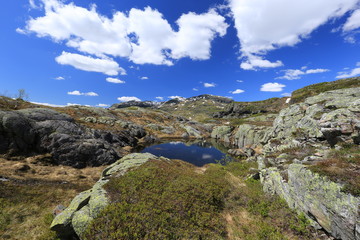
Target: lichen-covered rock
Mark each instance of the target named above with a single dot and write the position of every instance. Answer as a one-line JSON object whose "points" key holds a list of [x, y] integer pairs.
{"points": [[317, 197], [62, 223], [192, 131], [87, 205], [335, 99], [222, 133], [247, 135], [81, 219]]}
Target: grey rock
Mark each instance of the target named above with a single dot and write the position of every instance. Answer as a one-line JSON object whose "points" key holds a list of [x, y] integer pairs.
{"points": [[317, 197]]}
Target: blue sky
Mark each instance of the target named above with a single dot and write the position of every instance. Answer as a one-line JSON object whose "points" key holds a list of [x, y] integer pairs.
{"points": [[102, 52]]}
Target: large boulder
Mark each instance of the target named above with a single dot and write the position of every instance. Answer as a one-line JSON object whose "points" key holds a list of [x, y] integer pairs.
{"points": [[86, 206], [41, 130]]}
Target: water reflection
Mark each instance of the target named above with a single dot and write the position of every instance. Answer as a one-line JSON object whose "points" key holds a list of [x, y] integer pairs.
{"points": [[198, 153]]}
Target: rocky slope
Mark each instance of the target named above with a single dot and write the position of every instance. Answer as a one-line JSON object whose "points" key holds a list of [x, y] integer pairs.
{"points": [[302, 135], [82, 136], [198, 108]]}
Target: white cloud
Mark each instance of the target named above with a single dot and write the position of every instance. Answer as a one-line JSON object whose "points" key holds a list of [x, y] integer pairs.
{"points": [[237, 91], [127, 99], [85, 63], [196, 33], [253, 62], [114, 80], [239, 81], [208, 85], [272, 87], [160, 98], [91, 94], [144, 78], [102, 105], [291, 74], [177, 97], [20, 30], [33, 5], [78, 93], [59, 78], [195, 89], [142, 36], [351, 73], [263, 26], [353, 22]]}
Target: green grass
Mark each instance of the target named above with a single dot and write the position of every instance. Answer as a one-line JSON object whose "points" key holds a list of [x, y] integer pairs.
{"points": [[173, 200], [315, 89], [269, 216]]}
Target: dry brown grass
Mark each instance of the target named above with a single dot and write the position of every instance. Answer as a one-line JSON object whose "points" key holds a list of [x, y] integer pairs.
{"points": [[342, 166], [29, 197]]}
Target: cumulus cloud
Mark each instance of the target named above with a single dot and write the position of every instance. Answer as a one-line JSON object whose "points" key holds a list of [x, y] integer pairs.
{"points": [[237, 91], [351, 73], [195, 89], [85, 63], [263, 26], [239, 81], [254, 62], [141, 35], [291, 74], [127, 99], [144, 78], [114, 80], [208, 85], [59, 78], [78, 93], [160, 98], [272, 87]]}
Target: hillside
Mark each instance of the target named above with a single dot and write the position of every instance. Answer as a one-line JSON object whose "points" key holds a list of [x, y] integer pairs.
{"points": [[293, 166]]}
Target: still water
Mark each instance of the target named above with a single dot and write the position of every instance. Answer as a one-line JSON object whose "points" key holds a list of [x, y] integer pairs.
{"points": [[197, 153]]}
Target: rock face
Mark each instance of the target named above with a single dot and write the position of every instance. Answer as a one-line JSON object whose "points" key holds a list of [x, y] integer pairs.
{"points": [[333, 116], [44, 130], [86, 206], [318, 198]]}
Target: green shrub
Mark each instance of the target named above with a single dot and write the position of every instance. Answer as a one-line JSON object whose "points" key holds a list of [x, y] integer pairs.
{"points": [[163, 200]]}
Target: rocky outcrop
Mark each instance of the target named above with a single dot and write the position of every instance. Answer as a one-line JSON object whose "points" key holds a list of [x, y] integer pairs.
{"points": [[308, 128], [247, 109], [245, 135], [42, 130], [86, 206], [317, 197], [332, 116]]}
